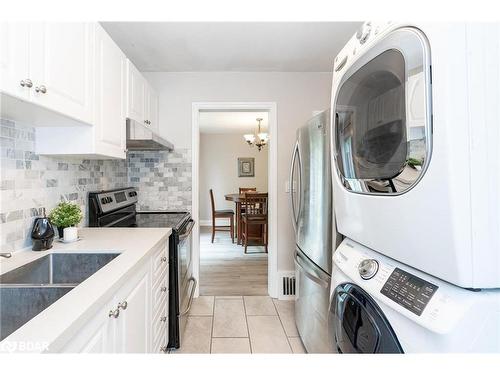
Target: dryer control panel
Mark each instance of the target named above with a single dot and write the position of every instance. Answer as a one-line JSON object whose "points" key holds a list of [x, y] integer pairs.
{"points": [[409, 291]]}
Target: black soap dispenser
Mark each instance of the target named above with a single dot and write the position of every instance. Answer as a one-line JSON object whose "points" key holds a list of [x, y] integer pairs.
{"points": [[42, 233]]}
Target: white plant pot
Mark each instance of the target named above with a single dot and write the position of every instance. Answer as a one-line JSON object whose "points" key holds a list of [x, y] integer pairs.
{"points": [[70, 234]]}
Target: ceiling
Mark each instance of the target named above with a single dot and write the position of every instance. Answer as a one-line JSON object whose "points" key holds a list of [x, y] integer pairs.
{"points": [[231, 122], [231, 46]]}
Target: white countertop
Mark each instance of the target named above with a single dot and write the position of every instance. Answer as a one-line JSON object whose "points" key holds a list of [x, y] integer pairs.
{"points": [[65, 317]]}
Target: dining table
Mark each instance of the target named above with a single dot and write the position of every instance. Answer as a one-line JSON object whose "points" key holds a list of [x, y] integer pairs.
{"points": [[238, 200]]}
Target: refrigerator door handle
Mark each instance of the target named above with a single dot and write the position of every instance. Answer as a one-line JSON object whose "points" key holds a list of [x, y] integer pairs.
{"points": [[295, 157], [310, 272]]}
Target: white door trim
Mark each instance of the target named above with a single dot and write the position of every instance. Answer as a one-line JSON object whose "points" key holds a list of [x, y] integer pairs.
{"points": [[272, 182]]}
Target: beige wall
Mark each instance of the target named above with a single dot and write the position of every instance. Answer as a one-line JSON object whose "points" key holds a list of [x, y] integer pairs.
{"points": [[296, 96], [219, 155]]}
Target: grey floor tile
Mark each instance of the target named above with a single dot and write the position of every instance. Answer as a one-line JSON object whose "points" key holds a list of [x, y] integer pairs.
{"points": [[267, 335], [229, 318], [228, 297], [222, 345], [202, 306], [297, 346], [286, 312], [197, 336], [259, 305]]}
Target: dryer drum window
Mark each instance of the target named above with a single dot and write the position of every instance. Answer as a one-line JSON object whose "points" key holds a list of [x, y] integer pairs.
{"points": [[382, 116]]}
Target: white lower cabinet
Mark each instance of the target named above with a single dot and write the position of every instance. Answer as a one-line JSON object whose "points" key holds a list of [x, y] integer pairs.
{"points": [[135, 320], [133, 325]]}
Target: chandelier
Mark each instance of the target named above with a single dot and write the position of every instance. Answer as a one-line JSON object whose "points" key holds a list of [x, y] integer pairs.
{"points": [[259, 139]]}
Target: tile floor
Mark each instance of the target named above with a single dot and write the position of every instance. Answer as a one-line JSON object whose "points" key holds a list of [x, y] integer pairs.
{"points": [[236, 324]]}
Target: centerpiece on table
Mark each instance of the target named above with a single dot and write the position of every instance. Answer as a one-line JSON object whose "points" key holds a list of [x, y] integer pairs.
{"points": [[66, 216]]}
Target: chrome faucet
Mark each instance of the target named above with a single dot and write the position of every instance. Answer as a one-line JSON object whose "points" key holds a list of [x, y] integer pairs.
{"points": [[6, 255]]}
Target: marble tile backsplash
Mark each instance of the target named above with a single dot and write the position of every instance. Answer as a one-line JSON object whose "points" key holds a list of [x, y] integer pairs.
{"points": [[163, 179], [30, 183]]}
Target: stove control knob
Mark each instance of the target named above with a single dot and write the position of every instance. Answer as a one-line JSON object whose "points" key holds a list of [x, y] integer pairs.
{"points": [[103, 200], [110, 199], [368, 268]]}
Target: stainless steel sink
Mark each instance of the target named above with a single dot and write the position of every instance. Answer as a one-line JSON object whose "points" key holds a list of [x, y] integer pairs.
{"points": [[28, 290]]}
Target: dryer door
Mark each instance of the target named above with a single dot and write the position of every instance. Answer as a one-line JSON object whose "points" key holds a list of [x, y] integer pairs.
{"points": [[383, 116], [357, 323]]}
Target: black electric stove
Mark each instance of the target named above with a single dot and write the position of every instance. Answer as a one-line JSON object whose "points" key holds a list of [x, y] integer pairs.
{"points": [[117, 208]]}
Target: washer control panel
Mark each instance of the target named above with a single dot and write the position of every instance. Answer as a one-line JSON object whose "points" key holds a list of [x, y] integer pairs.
{"points": [[409, 291]]}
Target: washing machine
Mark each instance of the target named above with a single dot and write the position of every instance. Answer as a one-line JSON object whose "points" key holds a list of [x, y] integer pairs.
{"points": [[415, 156], [379, 305]]}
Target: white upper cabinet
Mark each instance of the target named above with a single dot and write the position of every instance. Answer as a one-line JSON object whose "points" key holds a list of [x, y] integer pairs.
{"points": [[136, 90], [51, 65], [14, 59], [110, 91], [142, 99], [107, 137], [152, 114], [61, 65]]}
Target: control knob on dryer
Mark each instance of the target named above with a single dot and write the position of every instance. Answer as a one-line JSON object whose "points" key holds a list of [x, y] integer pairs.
{"points": [[368, 268]]}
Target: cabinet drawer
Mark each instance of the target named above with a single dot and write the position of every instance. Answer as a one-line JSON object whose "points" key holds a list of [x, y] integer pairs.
{"points": [[160, 327], [160, 263], [160, 293]]}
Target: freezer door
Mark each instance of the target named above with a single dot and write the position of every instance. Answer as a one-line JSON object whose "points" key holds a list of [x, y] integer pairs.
{"points": [[314, 225], [312, 301]]}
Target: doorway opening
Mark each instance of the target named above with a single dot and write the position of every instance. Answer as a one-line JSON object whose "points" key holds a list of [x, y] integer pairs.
{"points": [[224, 161]]}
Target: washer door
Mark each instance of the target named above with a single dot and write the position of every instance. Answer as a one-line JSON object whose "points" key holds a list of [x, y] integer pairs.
{"points": [[358, 325]]}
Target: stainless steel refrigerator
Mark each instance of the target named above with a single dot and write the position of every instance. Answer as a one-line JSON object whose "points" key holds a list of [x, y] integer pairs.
{"points": [[315, 231]]}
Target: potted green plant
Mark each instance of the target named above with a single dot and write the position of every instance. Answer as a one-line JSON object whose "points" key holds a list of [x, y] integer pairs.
{"points": [[66, 215]]}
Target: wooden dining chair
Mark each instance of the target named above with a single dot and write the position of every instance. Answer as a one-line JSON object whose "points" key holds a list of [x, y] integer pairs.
{"points": [[246, 189], [221, 214], [255, 205]]}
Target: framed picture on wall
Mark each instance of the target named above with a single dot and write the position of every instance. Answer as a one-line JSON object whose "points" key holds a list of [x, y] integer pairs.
{"points": [[246, 167]]}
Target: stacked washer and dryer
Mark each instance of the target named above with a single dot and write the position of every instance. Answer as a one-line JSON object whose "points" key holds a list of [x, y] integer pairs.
{"points": [[416, 181]]}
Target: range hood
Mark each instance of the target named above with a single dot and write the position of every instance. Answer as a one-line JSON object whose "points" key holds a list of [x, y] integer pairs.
{"points": [[141, 138]]}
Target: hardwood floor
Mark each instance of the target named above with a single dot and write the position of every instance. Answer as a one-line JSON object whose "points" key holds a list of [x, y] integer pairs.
{"points": [[226, 271]]}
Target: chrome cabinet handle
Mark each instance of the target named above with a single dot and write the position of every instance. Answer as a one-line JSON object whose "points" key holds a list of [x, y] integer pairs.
{"points": [[163, 319], [26, 83], [114, 313], [163, 259], [123, 305], [41, 89], [163, 288]]}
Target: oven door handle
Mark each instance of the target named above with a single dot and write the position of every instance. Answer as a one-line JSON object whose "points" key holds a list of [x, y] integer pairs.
{"points": [[113, 223], [188, 231], [191, 296]]}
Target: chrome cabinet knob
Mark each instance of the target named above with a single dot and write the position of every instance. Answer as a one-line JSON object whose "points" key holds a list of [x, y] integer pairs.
{"points": [[41, 89], [26, 83], [164, 259], [163, 288], [163, 319], [368, 268], [114, 313], [123, 305]]}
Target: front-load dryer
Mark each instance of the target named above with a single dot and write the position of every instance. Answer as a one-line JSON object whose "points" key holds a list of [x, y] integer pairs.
{"points": [[415, 156], [379, 305]]}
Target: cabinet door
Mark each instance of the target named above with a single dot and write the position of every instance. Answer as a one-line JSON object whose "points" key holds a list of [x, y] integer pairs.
{"points": [[61, 62], [97, 336], [153, 111], [134, 322], [14, 59], [110, 90], [135, 93]]}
